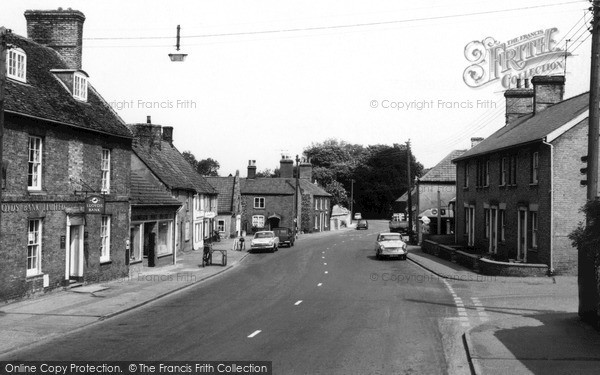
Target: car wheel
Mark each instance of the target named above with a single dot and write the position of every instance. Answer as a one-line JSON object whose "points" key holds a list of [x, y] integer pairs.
{"points": [[378, 256]]}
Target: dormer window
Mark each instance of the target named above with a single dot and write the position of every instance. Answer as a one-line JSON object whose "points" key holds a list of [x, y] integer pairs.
{"points": [[16, 64], [80, 86]]}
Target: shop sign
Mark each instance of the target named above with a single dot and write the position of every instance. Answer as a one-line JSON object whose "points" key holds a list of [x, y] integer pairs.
{"points": [[94, 204]]}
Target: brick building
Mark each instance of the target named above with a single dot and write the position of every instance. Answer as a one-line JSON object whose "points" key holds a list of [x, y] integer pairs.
{"points": [[62, 144], [431, 196], [229, 209], [518, 191], [271, 202], [154, 153]]}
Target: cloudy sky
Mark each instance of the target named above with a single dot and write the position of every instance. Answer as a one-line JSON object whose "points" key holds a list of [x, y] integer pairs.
{"points": [[268, 77]]}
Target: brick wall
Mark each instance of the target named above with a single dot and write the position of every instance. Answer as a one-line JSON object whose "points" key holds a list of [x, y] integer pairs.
{"points": [[569, 194], [69, 157], [282, 205]]}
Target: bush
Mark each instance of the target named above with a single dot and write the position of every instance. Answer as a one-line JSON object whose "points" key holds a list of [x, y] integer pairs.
{"points": [[587, 237]]}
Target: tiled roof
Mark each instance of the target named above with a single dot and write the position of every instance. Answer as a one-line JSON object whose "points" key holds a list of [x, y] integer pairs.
{"points": [[44, 95], [171, 168], [279, 186], [531, 128], [147, 192], [224, 187], [267, 186], [312, 189], [444, 171]]}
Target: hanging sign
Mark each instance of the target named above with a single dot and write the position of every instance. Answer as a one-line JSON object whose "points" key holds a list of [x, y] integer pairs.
{"points": [[94, 204]]}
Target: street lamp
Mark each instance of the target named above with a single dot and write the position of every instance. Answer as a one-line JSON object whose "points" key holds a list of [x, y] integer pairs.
{"points": [[177, 57]]}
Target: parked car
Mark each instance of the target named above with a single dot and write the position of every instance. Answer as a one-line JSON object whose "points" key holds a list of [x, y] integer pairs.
{"points": [[264, 240], [285, 235], [390, 245], [362, 224]]}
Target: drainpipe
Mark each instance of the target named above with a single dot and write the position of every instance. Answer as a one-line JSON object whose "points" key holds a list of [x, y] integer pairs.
{"points": [[551, 270]]}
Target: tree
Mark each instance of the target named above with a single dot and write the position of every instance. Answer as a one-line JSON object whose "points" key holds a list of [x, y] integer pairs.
{"points": [[267, 172], [205, 167], [208, 167], [187, 155], [339, 195]]}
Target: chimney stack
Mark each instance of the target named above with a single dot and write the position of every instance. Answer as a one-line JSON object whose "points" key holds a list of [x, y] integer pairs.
{"points": [[252, 169], [147, 135], [305, 169], [167, 134], [519, 102], [475, 141], [61, 30], [548, 90], [286, 167]]}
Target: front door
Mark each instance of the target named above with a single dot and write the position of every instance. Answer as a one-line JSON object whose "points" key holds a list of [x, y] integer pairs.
{"points": [[75, 251], [522, 229]]}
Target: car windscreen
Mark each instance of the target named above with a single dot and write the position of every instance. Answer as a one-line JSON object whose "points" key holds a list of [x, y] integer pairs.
{"points": [[263, 235], [389, 237]]}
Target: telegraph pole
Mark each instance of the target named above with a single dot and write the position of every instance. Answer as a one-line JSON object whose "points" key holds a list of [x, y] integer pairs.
{"points": [[594, 117], [409, 193], [296, 221], [587, 281], [351, 200]]}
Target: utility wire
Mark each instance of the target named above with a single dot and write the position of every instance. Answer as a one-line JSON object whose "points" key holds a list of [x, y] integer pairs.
{"points": [[333, 27]]}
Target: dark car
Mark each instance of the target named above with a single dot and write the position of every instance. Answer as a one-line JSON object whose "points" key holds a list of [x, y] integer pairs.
{"points": [[362, 224], [286, 236]]}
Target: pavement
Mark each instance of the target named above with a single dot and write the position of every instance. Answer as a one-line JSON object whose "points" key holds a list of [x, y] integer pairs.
{"points": [[43, 317], [522, 325]]}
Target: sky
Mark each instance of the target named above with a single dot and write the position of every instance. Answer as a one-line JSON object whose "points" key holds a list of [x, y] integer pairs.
{"points": [[264, 78]]}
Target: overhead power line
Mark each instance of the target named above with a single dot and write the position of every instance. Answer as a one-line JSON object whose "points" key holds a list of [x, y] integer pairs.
{"points": [[334, 27]]}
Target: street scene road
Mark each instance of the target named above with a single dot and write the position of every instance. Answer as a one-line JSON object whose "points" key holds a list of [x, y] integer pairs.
{"points": [[324, 306]]}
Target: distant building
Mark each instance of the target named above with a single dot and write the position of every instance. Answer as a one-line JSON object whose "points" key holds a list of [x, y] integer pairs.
{"points": [[431, 197], [271, 202], [229, 209], [62, 145], [518, 191]]}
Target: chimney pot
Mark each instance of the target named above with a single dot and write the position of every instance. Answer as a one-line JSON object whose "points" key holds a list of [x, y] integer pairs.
{"points": [[148, 120], [251, 169]]}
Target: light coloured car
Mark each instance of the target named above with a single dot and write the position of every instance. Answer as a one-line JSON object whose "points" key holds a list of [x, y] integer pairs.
{"points": [[265, 240], [390, 245]]}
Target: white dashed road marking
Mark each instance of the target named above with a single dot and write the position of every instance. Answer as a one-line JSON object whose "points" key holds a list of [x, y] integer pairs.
{"points": [[254, 333], [326, 271], [483, 316], [297, 303], [319, 284], [460, 306]]}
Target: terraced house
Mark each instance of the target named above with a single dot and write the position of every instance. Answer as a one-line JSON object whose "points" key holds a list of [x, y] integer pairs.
{"points": [[272, 202], [62, 145], [155, 155], [518, 191]]}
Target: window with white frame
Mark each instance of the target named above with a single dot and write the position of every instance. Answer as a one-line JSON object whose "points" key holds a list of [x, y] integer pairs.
{"points": [[80, 86], [258, 221], [221, 225], [534, 229], [503, 170], [198, 235], [34, 169], [105, 167], [16, 64], [535, 163], [34, 247], [259, 202], [316, 203], [164, 241], [105, 239], [512, 170], [197, 203]]}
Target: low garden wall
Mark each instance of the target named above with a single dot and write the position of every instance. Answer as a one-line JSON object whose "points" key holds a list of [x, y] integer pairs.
{"points": [[482, 265]]}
